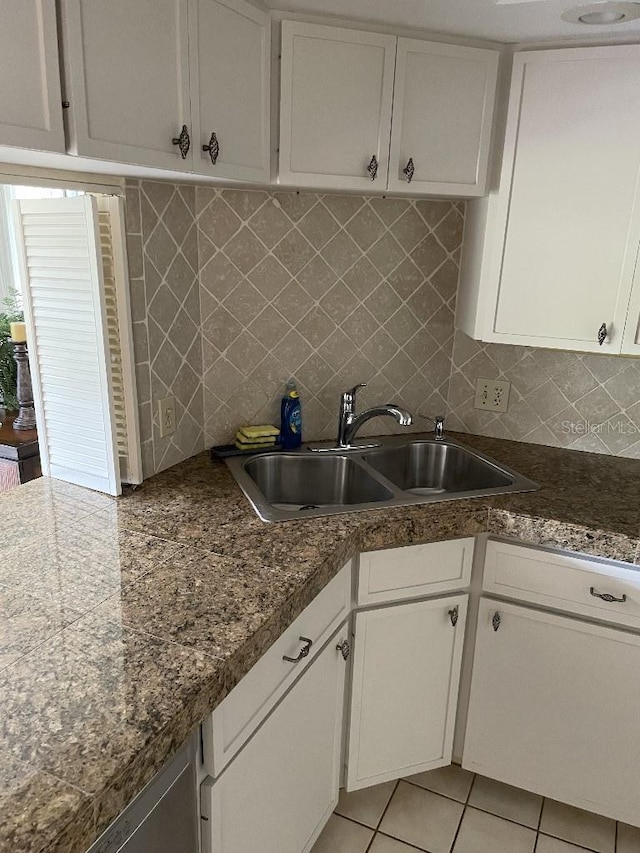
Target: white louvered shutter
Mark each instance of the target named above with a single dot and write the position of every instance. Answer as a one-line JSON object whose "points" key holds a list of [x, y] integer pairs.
{"points": [[65, 308], [119, 337]]}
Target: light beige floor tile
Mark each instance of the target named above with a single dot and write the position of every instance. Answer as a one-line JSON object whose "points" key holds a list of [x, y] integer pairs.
{"points": [[343, 836], [506, 801], [366, 806], [578, 827], [546, 844], [422, 818], [481, 832], [384, 844], [451, 781], [628, 839]]}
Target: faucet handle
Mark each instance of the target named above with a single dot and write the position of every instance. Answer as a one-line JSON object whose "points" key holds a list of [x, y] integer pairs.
{"points": [[349, 397], [352, 391]]}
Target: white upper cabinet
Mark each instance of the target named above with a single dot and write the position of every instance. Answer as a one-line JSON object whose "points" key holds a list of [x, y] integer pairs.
{"points": [[127, 69], [442, 118], [30, 95], [337, 99], [230, 56], [335, 109], [549, 259]]}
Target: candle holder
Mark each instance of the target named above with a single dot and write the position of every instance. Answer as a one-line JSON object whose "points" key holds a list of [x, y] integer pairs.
{"points": [[26, 416]]}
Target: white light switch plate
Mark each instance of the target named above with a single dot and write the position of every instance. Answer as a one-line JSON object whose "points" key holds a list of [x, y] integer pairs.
{"points": [[492, 395]]}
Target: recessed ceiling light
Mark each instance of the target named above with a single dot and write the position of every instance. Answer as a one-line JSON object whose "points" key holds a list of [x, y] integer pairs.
{"points": [[602, 14], [607, 17]]}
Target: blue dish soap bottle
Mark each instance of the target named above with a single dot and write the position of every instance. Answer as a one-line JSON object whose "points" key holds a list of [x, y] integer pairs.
{"points": [[290, 417]]}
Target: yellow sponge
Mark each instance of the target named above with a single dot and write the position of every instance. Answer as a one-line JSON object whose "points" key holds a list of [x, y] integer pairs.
{"points": [[254, 445], [253, 433], [268, 440]]}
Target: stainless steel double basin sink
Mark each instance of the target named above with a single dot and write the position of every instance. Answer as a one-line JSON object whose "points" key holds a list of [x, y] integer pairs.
{"points": [[399, 472]]}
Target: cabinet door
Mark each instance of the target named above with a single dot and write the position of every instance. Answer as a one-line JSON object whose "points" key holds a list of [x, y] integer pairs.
{"points": [[406, 670], [230, 60], [127, 72], [442, 118], [568, 208], [335, 109], [30, 96], [554, 709], [278, 793]]}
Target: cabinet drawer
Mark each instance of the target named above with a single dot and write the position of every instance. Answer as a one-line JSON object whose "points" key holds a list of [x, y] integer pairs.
{"points": [[238, 715], [565, 582], [399, 573]]}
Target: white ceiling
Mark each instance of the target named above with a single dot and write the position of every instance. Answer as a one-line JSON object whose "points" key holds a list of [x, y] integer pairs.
{"points": [[496, 20]]}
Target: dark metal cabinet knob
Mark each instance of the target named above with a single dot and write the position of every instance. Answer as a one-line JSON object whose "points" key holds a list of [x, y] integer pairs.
{"points": [[454, 613], [409, 170], [344, 648], [304, 651], [606, 596], [372, 168], [213, 148], [602, 334], [495, 622], [183, 142]]}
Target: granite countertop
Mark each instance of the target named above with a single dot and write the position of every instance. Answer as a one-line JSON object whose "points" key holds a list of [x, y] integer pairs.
{"points": [[125, 621]]}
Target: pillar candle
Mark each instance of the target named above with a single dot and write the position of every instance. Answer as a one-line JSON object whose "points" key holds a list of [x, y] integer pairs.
{"points": [[18, 333]]}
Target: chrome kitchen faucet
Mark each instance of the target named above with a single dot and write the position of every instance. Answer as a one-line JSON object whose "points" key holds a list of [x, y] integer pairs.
{"points": [[349, 422]]}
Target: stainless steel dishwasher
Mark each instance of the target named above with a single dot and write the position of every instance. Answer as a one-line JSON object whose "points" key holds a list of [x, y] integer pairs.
{"points": [[163, 818]]}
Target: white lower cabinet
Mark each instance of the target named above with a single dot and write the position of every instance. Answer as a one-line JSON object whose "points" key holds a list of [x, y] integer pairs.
{"points": [[406, 672], [279, 791], [554, 708], [553, 705]]}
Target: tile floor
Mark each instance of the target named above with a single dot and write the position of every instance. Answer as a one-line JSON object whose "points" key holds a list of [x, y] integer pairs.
{"points": [[453, 811]]}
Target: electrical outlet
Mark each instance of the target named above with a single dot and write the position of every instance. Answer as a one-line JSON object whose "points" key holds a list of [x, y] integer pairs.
{"points": [[167, 416], [492, 395]]}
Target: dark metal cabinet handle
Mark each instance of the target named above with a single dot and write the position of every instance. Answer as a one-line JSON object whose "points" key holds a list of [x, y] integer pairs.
{"points": [[183, 142], [453, 615], [213, 148], [372, 168], [409, 170], [496, 621], [304, 651], [602, 334], [344, 648], [606, 596]]}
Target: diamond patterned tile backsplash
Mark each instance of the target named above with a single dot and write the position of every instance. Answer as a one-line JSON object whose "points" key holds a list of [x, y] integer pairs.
{"points": [[576, 400], [162, 244], [332, 290], [235, 291]]}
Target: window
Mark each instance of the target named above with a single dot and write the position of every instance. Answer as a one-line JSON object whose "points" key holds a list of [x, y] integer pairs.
{"points": [[9, 267]]}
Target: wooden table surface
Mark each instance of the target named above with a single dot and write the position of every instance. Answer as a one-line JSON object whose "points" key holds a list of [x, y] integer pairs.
{"points": [[16, 438]]}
